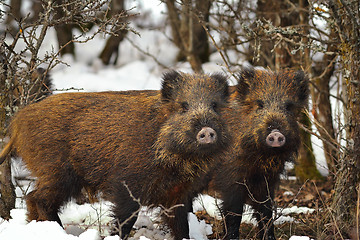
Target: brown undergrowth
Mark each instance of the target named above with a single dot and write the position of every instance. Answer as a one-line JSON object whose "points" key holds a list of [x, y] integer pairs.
{"points": [[311, 194]]}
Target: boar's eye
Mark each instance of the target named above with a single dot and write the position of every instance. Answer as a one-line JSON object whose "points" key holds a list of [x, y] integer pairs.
{"points": [[214, 106], [185, 106], [260, 104], [289, 106]]}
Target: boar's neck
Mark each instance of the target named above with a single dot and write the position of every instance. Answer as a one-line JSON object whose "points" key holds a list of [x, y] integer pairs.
{"points": [[261, 164], [177, 180]]}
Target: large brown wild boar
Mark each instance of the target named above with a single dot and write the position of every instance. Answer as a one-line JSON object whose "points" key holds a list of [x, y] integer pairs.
{"points": [[159, 144], [262, 116]]}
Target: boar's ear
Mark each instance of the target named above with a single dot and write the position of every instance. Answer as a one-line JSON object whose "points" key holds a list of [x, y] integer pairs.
{"points": [[221, 81], [245, 77], [302, 82], [170, 81]]}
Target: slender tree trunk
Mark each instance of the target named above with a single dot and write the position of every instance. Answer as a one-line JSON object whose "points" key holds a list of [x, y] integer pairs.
{"points": [[305, 167], [306, 162], [14, 11], [261, 50], [110, 53], [320, 94], [63, 31], [188, 31], [37, 8], [7, 190]]}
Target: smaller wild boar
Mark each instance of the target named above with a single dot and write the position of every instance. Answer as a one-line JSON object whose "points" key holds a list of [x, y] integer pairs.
{"points": [[156, 144], [262, 116]]}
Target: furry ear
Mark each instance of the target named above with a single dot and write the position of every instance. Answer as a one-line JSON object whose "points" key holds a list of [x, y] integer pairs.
{"points": [[223, 84], [302, 81], [243, 85], [170, 81]]}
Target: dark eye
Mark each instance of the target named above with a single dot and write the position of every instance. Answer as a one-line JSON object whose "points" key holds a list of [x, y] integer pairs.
{"points": [[185, 106], [289, 106], [214, 106], [260, 104]]}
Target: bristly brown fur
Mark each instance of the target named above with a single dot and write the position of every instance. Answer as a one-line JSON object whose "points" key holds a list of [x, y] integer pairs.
{"points": [[144, 139], [263, 101]]}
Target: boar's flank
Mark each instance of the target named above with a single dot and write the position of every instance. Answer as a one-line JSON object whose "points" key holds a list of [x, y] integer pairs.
{"points": [[262, 116], [159, 143]]}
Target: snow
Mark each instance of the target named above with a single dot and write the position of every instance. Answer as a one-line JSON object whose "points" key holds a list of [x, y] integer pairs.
{"points": [[296, 210], [90, 221], [17, 228], [198, 229], [133, 71], [299, 238]]}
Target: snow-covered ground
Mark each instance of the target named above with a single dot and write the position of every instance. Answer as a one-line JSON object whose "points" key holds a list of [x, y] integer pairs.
{"points": [[136, 71]]}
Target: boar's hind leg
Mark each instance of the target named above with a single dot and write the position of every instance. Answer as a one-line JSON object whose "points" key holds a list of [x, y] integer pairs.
{"points": [[41, 209], [32, 212], [50, 193]]}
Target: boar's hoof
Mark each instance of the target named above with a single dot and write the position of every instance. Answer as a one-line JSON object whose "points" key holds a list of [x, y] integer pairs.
{"points": [[206, 135], [275, 139]]}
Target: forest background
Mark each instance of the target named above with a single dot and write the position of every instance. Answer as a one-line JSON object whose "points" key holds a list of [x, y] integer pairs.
{"points": [[319, 37]]}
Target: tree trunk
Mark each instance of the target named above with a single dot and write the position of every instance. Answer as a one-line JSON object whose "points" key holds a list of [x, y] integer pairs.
{"points": [[305, 167], [111, 48], [7, 190], [347, 179], [37, 8], [306, 162], [15, 11], [63, 32], [260, 51], [201, 43], [188, 30], [320, 94]]}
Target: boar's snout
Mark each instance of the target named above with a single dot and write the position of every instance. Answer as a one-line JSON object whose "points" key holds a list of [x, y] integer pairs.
{"points": [[275, 139], [206, 135]]}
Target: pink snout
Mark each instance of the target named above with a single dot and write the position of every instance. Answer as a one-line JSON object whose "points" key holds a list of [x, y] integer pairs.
{"points": [[275, 139], [206, 135]]}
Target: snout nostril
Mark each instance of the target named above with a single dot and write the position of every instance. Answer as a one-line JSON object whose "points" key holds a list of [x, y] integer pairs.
{"points": [[271, 139], [202, 135]]}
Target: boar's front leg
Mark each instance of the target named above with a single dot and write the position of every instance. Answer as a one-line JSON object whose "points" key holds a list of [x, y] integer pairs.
{"points": [[232, 209], [262, 203], [125, 212], [178, 223]]}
